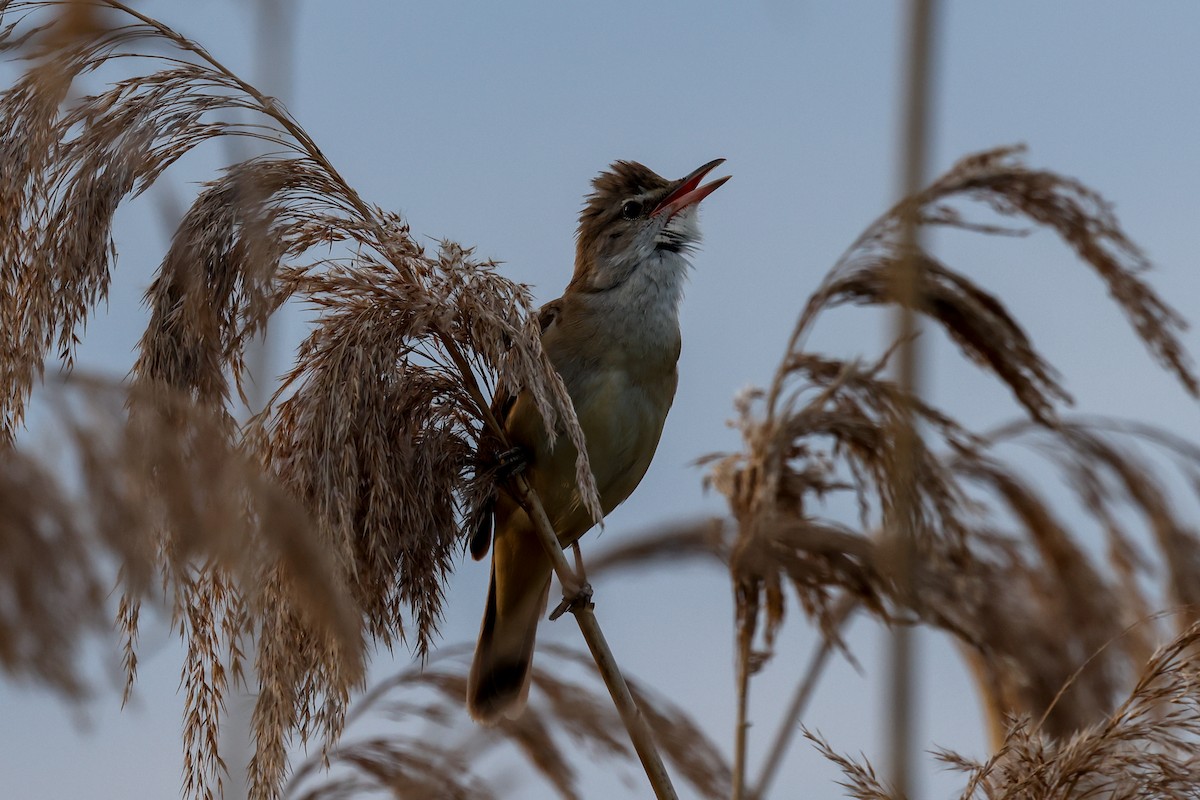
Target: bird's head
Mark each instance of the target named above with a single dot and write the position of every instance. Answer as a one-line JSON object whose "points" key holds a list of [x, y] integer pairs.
{"points": [[634, 217]]}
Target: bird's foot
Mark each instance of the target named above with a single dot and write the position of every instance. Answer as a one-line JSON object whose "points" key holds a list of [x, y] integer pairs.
{"points": [[580, 598], [511, 462]]}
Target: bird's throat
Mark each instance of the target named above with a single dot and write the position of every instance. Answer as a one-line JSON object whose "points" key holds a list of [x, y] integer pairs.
{"points": [[641, 312]]}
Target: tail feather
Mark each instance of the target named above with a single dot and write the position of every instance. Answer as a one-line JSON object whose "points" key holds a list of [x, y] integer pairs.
{"points": [[498, 685]]}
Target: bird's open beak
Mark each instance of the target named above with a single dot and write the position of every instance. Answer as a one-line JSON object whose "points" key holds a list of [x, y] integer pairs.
{"points": [[689, 191]]}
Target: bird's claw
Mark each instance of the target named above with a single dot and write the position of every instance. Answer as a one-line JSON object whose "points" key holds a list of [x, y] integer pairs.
{"points": [[511, 462], [580, 599]]}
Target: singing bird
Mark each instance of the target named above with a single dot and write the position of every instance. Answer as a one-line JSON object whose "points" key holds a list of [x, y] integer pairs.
{"points": [[614, 338]]}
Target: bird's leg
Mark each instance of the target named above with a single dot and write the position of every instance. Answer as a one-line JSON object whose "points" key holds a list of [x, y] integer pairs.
{"points": [[579, 570], [576, 596]]}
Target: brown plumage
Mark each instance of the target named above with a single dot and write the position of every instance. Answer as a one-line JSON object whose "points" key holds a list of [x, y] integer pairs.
{"points": [[614, 338]]}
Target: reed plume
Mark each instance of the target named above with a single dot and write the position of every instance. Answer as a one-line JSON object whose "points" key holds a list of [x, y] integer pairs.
{"points": [[327, 524], [374, 430], [565, 718], [1145, 748], [1049, 632]]}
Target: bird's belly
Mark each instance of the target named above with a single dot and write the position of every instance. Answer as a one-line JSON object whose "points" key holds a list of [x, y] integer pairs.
{"points": [[622, 420]]}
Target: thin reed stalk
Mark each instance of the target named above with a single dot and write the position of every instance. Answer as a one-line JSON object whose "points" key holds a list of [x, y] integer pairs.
{"points": [[908, 279], [800, 699], [741, 729]]}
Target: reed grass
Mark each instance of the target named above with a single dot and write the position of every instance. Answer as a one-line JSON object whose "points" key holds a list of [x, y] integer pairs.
{"points": [[327, 525]]}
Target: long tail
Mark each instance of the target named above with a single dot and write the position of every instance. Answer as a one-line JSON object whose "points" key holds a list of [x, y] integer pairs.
{"points": [[498, 685]]}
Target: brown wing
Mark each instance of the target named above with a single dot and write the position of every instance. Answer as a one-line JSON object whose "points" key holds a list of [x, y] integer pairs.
{"points": [[490, 450]]}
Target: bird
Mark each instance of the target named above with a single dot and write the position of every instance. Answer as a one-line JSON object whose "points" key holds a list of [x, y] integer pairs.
{"points": [[614, 339]]}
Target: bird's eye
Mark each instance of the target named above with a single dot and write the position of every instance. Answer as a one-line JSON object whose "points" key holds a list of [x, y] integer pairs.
{"points": [[631, 210]]}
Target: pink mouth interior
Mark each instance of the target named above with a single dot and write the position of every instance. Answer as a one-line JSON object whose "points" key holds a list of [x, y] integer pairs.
{"points": [[690, 192]]}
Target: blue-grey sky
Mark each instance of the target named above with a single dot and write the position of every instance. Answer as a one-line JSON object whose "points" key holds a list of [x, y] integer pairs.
{"points": [[484, 122]]}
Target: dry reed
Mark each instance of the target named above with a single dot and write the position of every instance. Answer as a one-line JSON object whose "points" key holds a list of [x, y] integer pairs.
{"points": [[566, 721], [1144, 748], [330, 521], [993, 563], [376, 437], [146, 482]]}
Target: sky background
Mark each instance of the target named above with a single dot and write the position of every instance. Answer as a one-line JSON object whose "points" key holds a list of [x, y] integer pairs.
{"points": [[485, 123]]}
